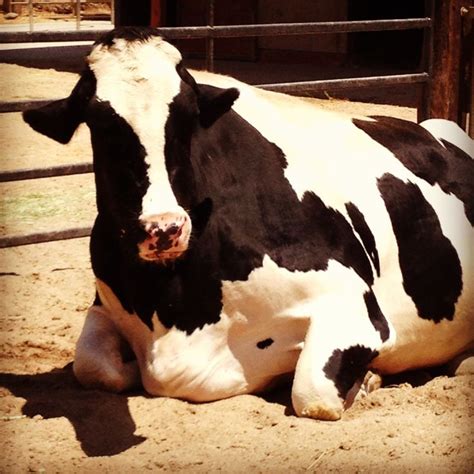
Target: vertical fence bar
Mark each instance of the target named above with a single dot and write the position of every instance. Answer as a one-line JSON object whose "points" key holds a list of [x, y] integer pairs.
{"points": [[427, 63], [30, 14], [210, 41], [112, 12], [78, 15]]}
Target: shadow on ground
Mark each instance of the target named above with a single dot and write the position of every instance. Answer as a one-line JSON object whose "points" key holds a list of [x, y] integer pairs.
{"points": [[57, 394]]}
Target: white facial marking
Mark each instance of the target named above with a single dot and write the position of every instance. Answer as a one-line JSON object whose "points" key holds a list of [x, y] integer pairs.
{"points": [[139, 80]]}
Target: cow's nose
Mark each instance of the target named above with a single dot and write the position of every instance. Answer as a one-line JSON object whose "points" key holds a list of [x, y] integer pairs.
{"points": [[166, 231], [157, 230], [165, 238]]}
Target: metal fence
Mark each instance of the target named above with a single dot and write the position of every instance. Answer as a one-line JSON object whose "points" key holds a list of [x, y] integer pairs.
{"points": [[76, 6], [211, 32]]}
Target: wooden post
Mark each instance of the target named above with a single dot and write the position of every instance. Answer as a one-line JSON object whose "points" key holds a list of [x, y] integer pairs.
{"points": [[444, 97], [466, 112]]}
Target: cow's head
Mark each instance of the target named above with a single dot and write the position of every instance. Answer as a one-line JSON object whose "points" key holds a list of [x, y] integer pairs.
{"points": [[141, 106]]}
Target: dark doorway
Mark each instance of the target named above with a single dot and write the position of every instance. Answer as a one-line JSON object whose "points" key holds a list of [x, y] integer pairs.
{"points": [[129, 13], [398, 49]]}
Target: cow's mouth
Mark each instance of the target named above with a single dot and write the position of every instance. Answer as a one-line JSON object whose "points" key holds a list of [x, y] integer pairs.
{"points": [[161, 257], [152, 250]]}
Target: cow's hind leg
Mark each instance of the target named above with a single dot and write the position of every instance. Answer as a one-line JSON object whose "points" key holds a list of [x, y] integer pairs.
{"points": [[101, 360], [340, 344]]}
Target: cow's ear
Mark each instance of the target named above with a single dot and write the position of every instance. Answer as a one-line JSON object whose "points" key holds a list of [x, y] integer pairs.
{"points": [[54, 120], [214, 102], [59, 119]]}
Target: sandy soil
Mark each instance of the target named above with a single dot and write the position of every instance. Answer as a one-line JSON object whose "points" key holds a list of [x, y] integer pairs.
{"points": [[48, 423]]}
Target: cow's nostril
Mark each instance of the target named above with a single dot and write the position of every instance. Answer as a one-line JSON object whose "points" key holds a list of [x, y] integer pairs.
{"points": [[168, 234], [173, 229], [160, 231]]}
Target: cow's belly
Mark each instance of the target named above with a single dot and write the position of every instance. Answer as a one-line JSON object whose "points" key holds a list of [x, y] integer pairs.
{"points": [[420, 343]]}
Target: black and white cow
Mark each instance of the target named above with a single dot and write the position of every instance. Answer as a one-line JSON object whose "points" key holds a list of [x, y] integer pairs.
{"points": [[243, 235]]}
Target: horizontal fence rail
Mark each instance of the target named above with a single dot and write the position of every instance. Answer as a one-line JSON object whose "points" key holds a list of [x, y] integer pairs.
{"points": [[20, 105], [328, 85], [356, 82], [42, 237], [231, 31], [209, 33], [53, 171]]}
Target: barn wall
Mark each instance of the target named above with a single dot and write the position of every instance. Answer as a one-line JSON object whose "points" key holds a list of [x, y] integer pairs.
{"points": [[282, 11], [288, 48]]}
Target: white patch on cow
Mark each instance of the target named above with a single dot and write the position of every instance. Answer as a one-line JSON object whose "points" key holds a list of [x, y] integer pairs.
{"points": [[446, 130], [139, 80], [198, 366]]}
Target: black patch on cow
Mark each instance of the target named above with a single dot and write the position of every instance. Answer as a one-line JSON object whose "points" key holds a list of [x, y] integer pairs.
{"points": [[128, 33], [463, 187], [232, 182], [173, 292], [376, 316], [120, 168], [346, 367], [265, 343], [430, 266], [451, 168], [361, 227]]}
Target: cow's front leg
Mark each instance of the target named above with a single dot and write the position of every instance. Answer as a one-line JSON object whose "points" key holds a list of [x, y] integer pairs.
{"points": [[101, 355], [341, 341]]}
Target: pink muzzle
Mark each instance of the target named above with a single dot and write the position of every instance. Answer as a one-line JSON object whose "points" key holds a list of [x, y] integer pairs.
{"points": [[167, 236]]}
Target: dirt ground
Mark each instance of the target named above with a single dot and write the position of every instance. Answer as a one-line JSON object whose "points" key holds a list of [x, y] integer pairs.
{"points": [[48, 423], [55, 12]]}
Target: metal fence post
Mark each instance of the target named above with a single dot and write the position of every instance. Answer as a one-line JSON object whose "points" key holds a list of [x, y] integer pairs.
{"points": [[423, 112], [78, 14], [210, 39], [30, 14]]}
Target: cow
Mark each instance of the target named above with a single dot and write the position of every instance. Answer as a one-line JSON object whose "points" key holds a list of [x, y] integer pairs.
{"points": [[244, 236]]}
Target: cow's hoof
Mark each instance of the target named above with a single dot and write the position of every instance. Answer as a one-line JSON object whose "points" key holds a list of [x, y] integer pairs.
{"points": [[316, 407], [371, 382], [462, 364], [322, 412]]}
